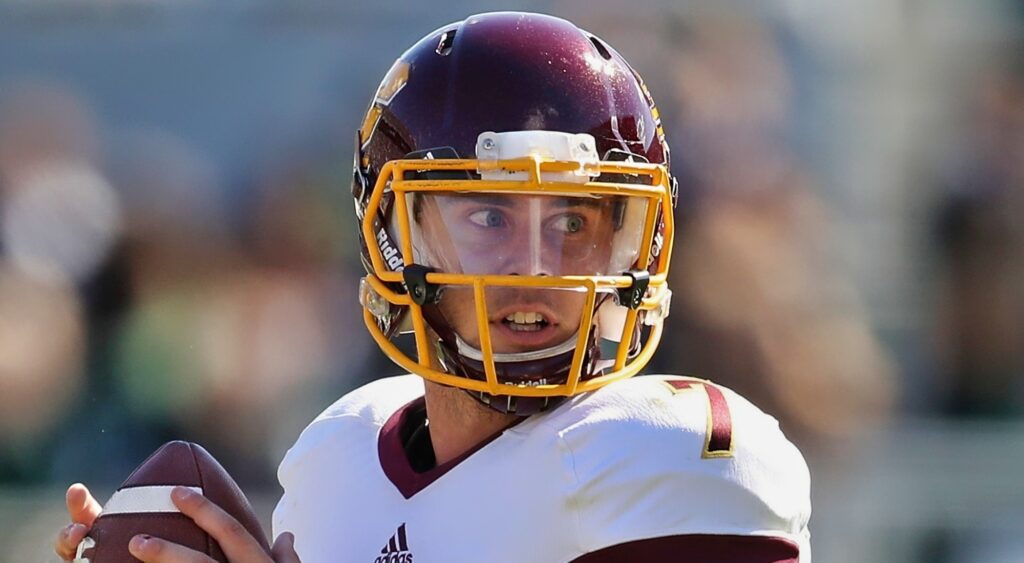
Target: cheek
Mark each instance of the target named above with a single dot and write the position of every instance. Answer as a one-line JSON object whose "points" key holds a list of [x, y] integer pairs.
{"points": [[594, 258], [570, 309], [457, 307]]}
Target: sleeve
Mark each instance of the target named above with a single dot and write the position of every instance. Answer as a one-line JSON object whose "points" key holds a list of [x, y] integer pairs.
{"points": [[299, 468], [334, 439], [688, 468], [312, 458]]}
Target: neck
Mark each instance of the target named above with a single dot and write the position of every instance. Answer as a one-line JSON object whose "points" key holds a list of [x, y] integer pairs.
{"points": [[458, 422]]}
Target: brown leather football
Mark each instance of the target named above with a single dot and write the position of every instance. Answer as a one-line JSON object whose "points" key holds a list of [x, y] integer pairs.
{"points": [[142, 505]]}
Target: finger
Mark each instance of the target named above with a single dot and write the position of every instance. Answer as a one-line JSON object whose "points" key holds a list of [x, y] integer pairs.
{"points": [[68, 539], [82, 507], [284, 549], [155, 550], [236, 542]]}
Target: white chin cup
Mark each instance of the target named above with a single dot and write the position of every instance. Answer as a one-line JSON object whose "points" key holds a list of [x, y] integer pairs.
{"points": [[464, 349]]}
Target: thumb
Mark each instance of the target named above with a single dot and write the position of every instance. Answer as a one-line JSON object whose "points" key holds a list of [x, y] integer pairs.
{"points": [[284, 549], [82, 507]]}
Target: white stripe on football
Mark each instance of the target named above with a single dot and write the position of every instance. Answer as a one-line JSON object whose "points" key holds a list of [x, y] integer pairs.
{"points": [[135, 500]]}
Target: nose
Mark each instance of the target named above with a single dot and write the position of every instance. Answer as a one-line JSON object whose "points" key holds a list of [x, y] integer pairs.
{"points": [[520, 266], [522, 259], [525, 250]]}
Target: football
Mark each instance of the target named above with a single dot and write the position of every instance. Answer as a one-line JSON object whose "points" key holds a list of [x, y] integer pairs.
{"points": [[142, 505]]}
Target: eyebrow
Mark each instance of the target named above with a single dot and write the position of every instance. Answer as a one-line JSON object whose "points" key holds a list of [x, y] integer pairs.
{"points": [[564, 202], [561, 202], [488, 199]]}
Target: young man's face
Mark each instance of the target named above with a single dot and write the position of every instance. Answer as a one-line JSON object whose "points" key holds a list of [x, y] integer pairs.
{"points": [[517, 235]]}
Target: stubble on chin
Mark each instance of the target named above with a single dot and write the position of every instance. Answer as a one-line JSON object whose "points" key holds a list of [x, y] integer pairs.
{"points": [[458, 405]]}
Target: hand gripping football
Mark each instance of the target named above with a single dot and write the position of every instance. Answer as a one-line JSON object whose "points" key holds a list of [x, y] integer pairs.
{"points": [[142, 505]]}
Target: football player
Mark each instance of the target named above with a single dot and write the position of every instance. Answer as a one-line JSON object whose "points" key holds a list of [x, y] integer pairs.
{"points": [[512, 183]]}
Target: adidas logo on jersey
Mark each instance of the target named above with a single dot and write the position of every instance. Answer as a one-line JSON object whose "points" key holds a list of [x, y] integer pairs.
{"points": [[396, 550]]}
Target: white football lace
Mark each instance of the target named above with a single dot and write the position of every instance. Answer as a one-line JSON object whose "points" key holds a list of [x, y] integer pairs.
{"points": [[86, 543]]}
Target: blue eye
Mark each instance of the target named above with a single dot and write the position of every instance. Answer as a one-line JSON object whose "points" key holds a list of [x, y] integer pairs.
{"points": [[490, 218], [569, 223]]}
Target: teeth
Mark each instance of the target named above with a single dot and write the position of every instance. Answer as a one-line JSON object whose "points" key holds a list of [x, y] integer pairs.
{"points": [[524, 317], [525, 328]]}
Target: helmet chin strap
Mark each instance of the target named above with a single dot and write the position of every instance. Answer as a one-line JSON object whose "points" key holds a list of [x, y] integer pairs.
{"points": [[472, 353]]}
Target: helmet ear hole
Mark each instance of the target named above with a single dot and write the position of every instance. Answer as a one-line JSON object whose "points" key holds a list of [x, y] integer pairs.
{"points": [[444, 46], [601, 48]]}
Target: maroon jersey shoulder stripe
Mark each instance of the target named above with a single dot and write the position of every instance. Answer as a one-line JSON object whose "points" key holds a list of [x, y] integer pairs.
{"points": [[699, 548]]}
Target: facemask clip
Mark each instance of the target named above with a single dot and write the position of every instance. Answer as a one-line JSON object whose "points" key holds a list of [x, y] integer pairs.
{"points": [[633, 295], [421, 291]]}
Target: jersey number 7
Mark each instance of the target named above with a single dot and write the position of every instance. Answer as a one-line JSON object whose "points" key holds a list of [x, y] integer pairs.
{"points": [[718, 436]]}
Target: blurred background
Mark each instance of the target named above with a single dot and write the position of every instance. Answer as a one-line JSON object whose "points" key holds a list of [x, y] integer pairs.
{"points": [[178, 255]]}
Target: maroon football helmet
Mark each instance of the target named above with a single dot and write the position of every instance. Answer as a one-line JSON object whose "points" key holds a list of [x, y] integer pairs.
{"points": [[511, 180]]}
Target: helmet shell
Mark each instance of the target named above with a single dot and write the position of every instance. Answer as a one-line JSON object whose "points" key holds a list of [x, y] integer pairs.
{"points": [[503, 71]]}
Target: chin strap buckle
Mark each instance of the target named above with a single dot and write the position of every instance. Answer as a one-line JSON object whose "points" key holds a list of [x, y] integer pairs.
{"points": [[421, 291], [633, 295]]}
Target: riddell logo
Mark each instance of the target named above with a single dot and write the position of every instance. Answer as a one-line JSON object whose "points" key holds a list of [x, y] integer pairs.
{"points": [[390, 254], [396, 550]]}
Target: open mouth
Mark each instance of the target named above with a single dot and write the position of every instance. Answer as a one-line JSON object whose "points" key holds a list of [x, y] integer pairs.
{"points": [[525, 326], [525, 321]]}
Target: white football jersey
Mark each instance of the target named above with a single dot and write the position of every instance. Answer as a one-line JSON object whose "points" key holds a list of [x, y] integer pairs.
{"points": [[647, 457]]}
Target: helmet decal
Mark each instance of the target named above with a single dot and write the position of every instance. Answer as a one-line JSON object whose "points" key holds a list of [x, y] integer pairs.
{"points": [[396, 79]]}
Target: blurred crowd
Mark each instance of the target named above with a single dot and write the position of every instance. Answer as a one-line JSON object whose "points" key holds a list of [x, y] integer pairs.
{"points": [[978, 237], [148, 294], [139, 305], [762, 301]]}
